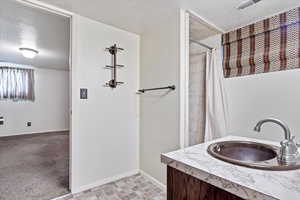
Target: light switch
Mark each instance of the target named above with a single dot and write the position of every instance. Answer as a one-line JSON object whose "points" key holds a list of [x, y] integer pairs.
{"points": [[83, 93]]}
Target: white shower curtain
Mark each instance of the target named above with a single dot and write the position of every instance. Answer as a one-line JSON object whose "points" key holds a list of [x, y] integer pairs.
{"points": [[216, 119]]}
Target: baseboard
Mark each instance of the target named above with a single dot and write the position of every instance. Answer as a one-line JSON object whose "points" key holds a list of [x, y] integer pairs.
{"points": [[154, 180], [63, 197], [105, 181], [34, 133]]}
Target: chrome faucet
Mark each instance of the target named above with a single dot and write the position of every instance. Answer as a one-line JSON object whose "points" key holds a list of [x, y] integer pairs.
{"points": [[289, 150]]}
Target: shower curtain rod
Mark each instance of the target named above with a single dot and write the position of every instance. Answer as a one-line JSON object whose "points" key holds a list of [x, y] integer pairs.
{"points": [[201, 44]]}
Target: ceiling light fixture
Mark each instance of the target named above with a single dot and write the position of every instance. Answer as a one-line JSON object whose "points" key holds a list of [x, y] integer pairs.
{"points": [[29, 53], [247, 3]]}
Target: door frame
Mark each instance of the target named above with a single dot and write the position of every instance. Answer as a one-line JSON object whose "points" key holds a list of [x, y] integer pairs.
{"points": [[185, 16], [183, 79], [71, 16]]}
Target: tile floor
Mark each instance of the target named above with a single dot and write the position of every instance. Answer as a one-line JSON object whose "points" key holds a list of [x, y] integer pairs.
{"points": [[135, 187]]}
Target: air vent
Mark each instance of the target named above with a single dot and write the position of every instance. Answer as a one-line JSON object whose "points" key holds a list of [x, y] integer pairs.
{"points": [[247, 4]]}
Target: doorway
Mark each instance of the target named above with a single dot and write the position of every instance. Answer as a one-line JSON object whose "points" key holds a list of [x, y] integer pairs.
{"points": [[197, 41], [35, 102]]}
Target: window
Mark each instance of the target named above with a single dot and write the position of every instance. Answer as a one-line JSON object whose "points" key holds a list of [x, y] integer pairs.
{"points": [[16, 82], [269, 45]]}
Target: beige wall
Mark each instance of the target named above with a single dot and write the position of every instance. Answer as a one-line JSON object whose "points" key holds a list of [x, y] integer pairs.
{"points": [[105, 139], [159, 123], [196, 94], [255, 97], [49, 112]]}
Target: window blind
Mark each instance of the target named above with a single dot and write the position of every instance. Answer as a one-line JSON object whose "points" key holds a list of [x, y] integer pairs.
{"points": [[269, 45]]}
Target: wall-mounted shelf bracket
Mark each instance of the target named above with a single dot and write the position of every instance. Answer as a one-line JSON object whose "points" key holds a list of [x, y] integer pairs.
{"points": [[113, 50]]}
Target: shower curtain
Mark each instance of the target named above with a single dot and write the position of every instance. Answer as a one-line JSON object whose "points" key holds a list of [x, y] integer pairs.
{"points": [[216, 115]]}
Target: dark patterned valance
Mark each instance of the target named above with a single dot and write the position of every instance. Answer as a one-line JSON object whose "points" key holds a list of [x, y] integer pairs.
{"points": [[269, 45]]}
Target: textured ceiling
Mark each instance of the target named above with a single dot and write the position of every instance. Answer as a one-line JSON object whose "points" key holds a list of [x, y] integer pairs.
{"points": [[139, 15], [27, 27], [23, 26]]}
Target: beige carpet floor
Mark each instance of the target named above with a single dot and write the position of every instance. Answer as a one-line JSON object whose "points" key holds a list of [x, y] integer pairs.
{"points": [[34, 167]]}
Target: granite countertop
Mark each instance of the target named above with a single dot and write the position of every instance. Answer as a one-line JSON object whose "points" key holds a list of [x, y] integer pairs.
{"points": [[244, 182]]}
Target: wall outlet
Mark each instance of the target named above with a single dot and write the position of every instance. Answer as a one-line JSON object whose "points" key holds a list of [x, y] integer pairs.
{"points": [[28, 123]]}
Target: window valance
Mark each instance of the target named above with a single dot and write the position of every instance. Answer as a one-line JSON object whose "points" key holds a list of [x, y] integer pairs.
{"points": [[269, 45]]}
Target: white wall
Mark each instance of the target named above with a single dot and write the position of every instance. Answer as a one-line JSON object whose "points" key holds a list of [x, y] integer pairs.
{"points": [[105, 136], [255, 97], [159, 111], [103, 150], [49, 111]]}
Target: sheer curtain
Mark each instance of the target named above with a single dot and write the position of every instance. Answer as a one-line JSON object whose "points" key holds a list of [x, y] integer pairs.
{"points": [[16, 83], [216, 117]]}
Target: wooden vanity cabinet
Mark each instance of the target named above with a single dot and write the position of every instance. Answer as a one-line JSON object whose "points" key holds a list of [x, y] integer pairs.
{"points": [[181, 186]]}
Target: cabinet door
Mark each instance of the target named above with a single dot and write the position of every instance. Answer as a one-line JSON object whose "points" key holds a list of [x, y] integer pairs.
{"points": [[181, 186]]}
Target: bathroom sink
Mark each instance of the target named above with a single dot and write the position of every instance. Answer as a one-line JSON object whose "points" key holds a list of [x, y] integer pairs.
{"points": [[249, 154]]}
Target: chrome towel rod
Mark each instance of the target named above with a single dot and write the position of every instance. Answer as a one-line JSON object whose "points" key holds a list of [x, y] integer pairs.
{"points": [[171, 87], [201, 44]]}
